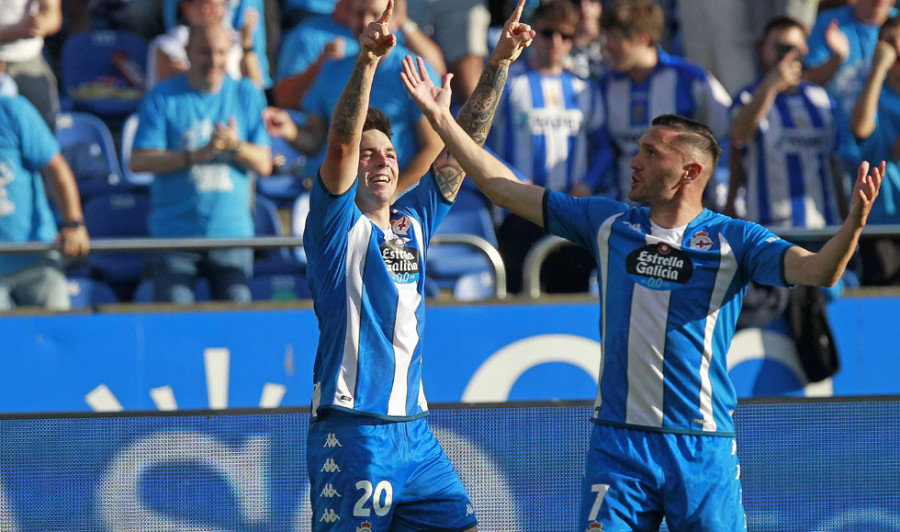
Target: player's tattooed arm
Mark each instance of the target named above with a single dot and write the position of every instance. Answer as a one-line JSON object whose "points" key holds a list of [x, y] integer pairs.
{"points": [[477, 114], [351, 105]]}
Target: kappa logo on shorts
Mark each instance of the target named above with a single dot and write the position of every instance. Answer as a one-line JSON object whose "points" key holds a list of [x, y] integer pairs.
{"points": [[470, 510], [330, 466], [328, 491], [332, 441], [329, 516]]}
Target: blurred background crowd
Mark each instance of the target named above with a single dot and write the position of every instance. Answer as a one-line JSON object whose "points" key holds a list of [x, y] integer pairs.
{"points": [[207, 119]]}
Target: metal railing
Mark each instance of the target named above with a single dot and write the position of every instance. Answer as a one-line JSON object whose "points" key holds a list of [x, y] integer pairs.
{"points": [[136, 245], [534, 260]]}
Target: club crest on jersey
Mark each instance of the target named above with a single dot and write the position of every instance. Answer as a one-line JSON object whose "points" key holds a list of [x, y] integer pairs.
{"points": [[701, 241], [659, 266], [400, 226], [402, 262]]}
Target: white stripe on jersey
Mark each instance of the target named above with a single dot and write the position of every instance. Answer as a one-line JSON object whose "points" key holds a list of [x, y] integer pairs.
{"points": [[603, 266], [727, 269], [646, 341], [406, 337], [357, 248]]}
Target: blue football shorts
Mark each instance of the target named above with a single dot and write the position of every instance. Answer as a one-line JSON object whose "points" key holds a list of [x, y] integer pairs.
{"points": [[369, 474], [634, 478]]}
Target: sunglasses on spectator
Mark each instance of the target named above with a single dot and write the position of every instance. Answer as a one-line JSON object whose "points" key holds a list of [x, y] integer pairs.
{"points": [[549, 33]]}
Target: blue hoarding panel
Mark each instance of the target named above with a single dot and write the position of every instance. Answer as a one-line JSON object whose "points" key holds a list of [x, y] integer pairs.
{"points": [[473, 353]]}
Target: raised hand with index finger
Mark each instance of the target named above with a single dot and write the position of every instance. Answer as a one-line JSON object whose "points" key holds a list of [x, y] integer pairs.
{"points": [[377, 40], [515, 37]]}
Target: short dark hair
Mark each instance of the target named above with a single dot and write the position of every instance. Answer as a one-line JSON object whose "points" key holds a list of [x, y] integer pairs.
{"points": [[556, 13], [782, 23], [889, 24], [633, 18], [691, 134], [375, 119]]}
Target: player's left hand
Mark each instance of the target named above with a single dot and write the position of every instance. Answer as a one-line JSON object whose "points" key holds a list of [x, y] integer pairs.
{"points": [[865, 190], [431, 100]]}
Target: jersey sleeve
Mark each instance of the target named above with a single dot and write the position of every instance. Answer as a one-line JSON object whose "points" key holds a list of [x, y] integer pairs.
{"points": [[818, 49], [38, 143], [151, 130], [330, 218], [714, 105], [577, 219], [764, 255], [427, 202]]}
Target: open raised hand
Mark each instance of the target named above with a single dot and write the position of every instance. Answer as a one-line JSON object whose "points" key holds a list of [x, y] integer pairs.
{"points": [[865, 190], [515, 36], [431, 100], [377, 40]]}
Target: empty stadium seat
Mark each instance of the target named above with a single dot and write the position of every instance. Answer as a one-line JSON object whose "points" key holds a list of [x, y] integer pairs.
{"points": [[88, 147], [272, 260], [90, 77], [447, 263], [118, 215], [126, 142], [298, 223], [279, 286], [86, 292], [144, 291]]}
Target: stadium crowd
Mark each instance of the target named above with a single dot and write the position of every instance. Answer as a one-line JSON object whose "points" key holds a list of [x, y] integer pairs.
{"points": [[221, 133]]}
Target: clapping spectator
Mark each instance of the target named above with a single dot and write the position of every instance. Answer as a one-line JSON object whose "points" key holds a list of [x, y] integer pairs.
{"points": [[201, 134]]}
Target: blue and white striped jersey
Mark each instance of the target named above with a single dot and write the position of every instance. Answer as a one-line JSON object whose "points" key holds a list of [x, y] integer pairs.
{"points": [[674, 86], [546, 126], [788, 171], [368, 288], [669, 302]]}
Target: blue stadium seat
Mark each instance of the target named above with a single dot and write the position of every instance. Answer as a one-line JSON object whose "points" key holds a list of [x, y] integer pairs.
{"points": [[470, 215], [144, 291], [298, 223], [273, 260], [92, 81], [279, 286], [126, 141], [118, 215], [88, 147], [86, 292]]}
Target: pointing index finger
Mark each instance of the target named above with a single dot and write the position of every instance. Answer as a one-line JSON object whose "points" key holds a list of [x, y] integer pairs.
{"points": [[386, 16], [517, 13]]}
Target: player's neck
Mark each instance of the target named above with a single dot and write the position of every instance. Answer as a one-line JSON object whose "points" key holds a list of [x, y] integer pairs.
{"points": [[674, 213], [380, 215]]}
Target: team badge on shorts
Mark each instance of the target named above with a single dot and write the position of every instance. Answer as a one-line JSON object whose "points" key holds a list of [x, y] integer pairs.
{"points": [[364, 527], [594, 527]]}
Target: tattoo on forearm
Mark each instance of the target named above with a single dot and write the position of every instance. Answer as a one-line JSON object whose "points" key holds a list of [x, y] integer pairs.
{"points": [[345, 120], [478, 112], [449, 176]]}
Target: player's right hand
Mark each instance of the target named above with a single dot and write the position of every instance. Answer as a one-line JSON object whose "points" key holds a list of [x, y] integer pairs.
{"points": [[377, 40]]}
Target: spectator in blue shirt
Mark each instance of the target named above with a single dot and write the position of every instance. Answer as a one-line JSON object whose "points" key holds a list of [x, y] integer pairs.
{"points": [[201, 134]]}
